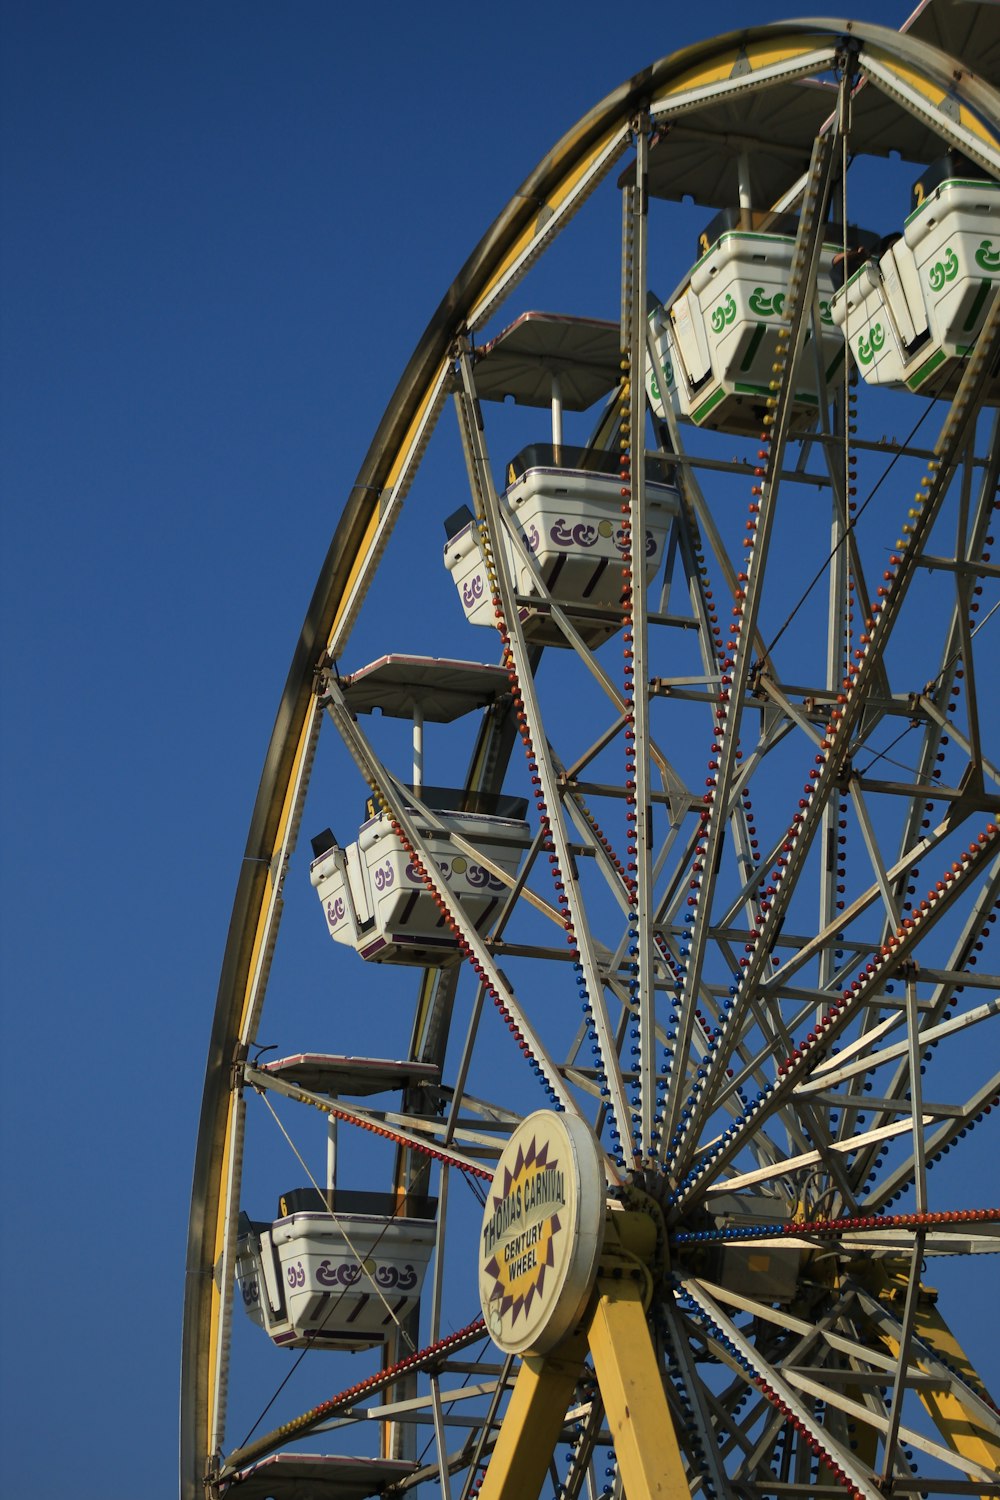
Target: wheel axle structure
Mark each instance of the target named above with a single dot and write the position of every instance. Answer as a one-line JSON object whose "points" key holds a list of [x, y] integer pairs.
{"points": [[648, 1046]]}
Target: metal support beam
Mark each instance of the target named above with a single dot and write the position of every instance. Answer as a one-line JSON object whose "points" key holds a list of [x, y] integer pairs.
{"points": [[678, 1126], [519, 658], [641, 829]]}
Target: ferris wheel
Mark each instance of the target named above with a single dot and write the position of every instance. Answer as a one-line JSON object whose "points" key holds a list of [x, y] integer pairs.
{"points": [[636, 1029]]}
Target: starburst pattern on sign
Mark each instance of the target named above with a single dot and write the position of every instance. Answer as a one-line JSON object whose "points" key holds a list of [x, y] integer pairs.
{"points": [[530, 1262]]}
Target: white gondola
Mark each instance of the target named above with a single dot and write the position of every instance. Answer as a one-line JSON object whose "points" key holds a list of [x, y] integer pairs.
{"points": [[562, 503], [338, 1280], [338, 1269], [713, 347], [912, 314], [372, 896], [570, 522], [375, 901]]}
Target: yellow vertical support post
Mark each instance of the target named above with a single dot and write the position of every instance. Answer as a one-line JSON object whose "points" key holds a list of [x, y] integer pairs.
{"points": [[533, 1422], [958, 1423], [631, 1384], [954, 1420]]}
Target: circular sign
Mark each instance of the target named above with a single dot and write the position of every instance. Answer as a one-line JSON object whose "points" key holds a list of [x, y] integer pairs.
{"points": [[542, 1232]]}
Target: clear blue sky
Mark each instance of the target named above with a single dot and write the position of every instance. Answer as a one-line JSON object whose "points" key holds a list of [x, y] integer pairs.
{"points": [[224, 227]]}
